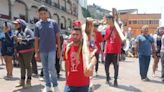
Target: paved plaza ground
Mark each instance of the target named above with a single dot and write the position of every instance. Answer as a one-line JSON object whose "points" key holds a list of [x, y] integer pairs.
{"points": [[129, 80]]}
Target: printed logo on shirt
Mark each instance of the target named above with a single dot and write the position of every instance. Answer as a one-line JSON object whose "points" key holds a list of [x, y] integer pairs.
{"points": [[51, 26], [113, 37], [74, 62]]}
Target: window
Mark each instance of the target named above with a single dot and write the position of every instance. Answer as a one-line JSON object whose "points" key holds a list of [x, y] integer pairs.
{"points": [[130, 22], [144, 21], [150, 22], [134, 21], [156, 22], [139, 21]]}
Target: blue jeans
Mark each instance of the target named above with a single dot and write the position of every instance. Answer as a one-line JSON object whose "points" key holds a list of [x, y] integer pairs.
{"points": [[76, 89], [48, 62], [144, 62]]}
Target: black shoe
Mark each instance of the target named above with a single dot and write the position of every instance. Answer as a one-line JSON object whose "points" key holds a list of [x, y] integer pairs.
{"points": [[115, 83]]}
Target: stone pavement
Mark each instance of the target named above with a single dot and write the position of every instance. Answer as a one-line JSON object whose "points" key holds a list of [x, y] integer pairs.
{"points": [[129, 80]]}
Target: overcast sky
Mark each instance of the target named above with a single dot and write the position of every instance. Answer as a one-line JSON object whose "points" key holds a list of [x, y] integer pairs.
{"points": [[143, 6]]}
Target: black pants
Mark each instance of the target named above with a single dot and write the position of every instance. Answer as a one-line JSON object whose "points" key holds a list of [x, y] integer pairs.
{"points": [[111, 58], [34, 65], [57, 65], [97, 63], [41, 73]]}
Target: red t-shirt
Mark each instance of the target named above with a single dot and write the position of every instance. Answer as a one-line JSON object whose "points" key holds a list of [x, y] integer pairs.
{"points": [[113, 41], [75, 73], [98, 40]]}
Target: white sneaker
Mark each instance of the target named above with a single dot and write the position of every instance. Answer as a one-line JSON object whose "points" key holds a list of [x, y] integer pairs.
{"points": [[56, 89], [91, 87], [47, 89], [41, 79]]}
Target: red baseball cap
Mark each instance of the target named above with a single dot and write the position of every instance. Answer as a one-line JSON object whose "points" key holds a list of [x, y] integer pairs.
{"points": [[77, 24]]}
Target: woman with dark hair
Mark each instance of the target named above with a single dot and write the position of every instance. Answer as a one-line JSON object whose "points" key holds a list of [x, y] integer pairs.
{"points": [[24, 40], [7, 44]]}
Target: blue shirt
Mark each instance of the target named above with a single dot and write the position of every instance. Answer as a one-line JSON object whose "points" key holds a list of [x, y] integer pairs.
{"points": [[145, 44], [46, 32]]}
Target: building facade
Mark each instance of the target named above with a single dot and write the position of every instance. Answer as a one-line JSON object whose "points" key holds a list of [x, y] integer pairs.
{"points": [[63, 11], [134, 22]]}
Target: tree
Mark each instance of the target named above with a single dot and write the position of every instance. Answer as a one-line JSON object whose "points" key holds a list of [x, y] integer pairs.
{"points": [[85, 12]]}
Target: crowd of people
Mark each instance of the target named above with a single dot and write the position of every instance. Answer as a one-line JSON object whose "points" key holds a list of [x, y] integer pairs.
{"points": [[80, 52]]}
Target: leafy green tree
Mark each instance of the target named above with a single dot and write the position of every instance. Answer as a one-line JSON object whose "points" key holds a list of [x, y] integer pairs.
{"points": [[85, 12]]}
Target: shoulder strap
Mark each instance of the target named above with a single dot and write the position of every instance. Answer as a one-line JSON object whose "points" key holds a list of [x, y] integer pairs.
{"points": [[148, 39], [111, 32]]}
